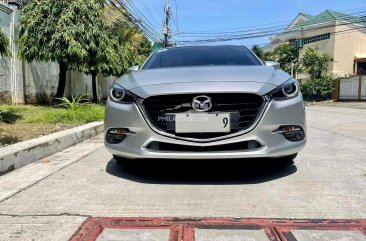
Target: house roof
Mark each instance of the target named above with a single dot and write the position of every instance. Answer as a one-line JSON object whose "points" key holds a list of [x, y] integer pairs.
{"points": [[306, 15], [328, 16], [300, 18]]}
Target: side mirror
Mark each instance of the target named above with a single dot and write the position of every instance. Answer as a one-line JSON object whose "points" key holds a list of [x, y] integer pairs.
{"points": [[134, 68], [273, 64]]}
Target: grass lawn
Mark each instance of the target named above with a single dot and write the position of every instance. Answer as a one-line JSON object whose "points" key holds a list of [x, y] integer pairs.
{"points": [[24, 122]]}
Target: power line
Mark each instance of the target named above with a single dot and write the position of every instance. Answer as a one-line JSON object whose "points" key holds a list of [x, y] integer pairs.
{"points": [[287, 22], [134, 21], [235, 33], [126, 11], [177, 19], [258, 34], [151, 12], [333, 33], [141, 17], [266, 31]]}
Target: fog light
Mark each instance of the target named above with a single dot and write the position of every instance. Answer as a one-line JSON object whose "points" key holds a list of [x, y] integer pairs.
{"points": [[117, 135], [292, 132]]}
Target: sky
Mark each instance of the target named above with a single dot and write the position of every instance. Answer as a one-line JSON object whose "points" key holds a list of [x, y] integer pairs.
{"points": [[233, 15]]}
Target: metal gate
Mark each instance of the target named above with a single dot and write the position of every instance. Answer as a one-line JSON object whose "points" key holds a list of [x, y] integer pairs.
{"points": [[353, 88]]}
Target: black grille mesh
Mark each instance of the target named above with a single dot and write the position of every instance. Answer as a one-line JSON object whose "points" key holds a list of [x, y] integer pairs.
{"points": [[247, 105]]}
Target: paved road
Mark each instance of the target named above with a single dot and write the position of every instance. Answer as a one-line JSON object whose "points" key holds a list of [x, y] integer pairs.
{"points": [[327, 180]]}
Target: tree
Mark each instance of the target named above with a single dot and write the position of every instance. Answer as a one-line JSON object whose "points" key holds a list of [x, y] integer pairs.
{"points": [[103, 49], [4, 45], [258, 51], [59, 31], [264, 56], [320, 86], [136, 47], [314, 63], [287, 56]]}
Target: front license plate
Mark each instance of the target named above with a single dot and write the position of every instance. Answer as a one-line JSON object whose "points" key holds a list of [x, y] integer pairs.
{"points": [[202, 123]]}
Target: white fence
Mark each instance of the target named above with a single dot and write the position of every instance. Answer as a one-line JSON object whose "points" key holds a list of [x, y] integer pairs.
{"points": [[353, 88]]}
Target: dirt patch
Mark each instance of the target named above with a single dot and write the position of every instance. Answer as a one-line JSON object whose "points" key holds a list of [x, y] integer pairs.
{"points": [[24, 122], [11, 134]]}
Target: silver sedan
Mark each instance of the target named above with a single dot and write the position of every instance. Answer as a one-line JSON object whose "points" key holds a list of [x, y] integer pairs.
{"points": [[205, 102]]}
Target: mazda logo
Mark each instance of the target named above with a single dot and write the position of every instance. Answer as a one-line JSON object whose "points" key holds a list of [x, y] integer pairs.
{"points": [[202, 103]]}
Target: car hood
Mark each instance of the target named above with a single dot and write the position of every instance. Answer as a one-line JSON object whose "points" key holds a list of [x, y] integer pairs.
{"points": [[227, 79]]}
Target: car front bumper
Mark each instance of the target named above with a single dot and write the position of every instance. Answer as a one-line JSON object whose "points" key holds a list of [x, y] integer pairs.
{"points": [[273, 144]]}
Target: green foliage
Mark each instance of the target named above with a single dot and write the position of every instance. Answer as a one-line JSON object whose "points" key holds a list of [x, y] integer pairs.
{"points": [[75, 32], [314, 63], [4, 45], [26, 114], [285, 54], [318, 89], [260, 53], [56, 30], [103, 47], [71, 32], [75, 103], [84, 114], [135, 47]]}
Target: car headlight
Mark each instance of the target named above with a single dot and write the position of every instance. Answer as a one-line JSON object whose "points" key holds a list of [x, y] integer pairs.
{"points": [[287, 90], [121, 95]]}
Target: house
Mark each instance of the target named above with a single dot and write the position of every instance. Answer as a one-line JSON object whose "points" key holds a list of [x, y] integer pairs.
{"points": [[341, 36]]}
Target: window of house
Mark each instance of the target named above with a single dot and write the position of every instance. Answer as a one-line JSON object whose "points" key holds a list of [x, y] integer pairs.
{"points": [[361, 67], [316, 38], [292, 42]]}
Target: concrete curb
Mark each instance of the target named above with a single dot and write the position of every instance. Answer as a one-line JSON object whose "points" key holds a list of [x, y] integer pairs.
{"points": [[18, 155]]}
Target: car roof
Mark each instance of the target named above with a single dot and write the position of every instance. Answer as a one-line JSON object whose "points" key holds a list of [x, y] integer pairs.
{"points": [[190, 47]]}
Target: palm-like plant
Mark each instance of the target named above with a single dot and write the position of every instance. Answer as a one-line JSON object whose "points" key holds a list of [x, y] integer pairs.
{"points": [[74, 103]]}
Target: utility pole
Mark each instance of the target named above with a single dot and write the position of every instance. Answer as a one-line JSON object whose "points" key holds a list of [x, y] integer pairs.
{"points": [[166, 28]]}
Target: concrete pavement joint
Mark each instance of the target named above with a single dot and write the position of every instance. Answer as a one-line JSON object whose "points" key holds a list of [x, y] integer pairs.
{"points": [[25, 188], [46, 215], [336, 133], [23, 153]]}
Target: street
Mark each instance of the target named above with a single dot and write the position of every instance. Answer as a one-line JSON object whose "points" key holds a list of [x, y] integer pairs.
{"points": [[51, 199]]}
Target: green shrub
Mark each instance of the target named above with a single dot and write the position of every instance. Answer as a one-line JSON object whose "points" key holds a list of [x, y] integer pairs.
{"points": [[75, 103], [83, 114], [318, 89]]}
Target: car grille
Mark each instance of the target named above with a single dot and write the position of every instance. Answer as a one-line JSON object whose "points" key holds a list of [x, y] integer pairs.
{"points": [[247, 106]]}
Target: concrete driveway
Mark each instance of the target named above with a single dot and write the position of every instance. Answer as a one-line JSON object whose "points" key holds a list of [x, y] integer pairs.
{"points": [[49, 201]]}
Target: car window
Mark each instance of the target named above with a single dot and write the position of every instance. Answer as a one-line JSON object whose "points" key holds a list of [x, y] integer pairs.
{"points": [[201, 56]]}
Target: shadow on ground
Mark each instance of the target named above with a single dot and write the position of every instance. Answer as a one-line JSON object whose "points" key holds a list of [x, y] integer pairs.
{"points": [[9, 116], [201, 172]]}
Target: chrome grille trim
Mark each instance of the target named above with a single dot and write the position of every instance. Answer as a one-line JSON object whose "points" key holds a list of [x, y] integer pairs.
{"points": [[262, 110]]}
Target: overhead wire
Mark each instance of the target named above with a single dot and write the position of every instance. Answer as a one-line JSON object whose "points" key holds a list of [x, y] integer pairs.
{"points": [[259, 34], [145, 27]]}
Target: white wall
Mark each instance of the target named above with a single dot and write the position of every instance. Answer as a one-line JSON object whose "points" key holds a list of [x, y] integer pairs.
{"points": [[37, 82]]}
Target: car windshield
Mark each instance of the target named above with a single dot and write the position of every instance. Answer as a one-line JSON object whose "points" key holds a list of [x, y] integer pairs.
{"points": [[201, 56]]}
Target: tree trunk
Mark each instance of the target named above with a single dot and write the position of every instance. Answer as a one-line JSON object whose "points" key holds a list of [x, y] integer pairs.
{"points": [[62, 80], [94, 87]]}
